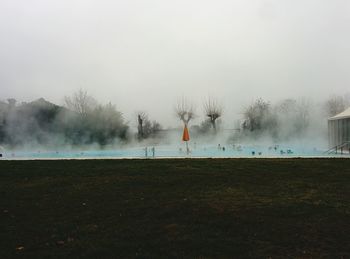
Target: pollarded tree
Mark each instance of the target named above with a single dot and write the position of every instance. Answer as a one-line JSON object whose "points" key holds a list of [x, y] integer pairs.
{"points": [[184, 111], [213, 110]]}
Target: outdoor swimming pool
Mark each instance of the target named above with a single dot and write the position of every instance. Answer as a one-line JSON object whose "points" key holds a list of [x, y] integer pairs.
{"points": [[209, 151]]}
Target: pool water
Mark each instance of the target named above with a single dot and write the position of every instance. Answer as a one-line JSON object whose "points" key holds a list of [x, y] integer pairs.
{"points": [[213, 151]]}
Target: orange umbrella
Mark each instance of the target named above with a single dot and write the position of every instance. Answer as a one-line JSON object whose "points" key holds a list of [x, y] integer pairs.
{"points": [[185, 135]]}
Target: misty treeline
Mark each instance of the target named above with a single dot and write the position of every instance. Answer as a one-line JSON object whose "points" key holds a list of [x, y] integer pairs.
{"points": [[81, 121], [284, 120], [84, 121], [288, 119]]}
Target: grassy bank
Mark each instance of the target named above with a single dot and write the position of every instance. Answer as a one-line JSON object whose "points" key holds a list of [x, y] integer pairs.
{"points": [[203, 208]]}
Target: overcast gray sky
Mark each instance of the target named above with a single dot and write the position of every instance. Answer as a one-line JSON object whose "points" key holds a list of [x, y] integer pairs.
{"points": [[144, 55]]}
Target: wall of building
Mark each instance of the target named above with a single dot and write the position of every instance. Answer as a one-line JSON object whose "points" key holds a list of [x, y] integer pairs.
{"points": [[338, 131]]}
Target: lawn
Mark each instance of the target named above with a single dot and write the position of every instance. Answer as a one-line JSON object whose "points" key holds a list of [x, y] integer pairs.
{"points": [[180, 208]]}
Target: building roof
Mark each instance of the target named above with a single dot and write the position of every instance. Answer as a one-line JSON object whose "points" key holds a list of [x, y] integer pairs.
{"points": [[343, 115]]}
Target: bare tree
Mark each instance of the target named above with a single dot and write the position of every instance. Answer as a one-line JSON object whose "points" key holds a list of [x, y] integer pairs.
{"points": [[293, 117], [184, 111], [213, 110], [256, 115], [146, 127], [141, 120], [336, 104], [81, 102], [303, 114], [286, 106]]}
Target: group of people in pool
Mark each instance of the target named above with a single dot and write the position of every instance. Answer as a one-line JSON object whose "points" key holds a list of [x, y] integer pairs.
{"points": [[239, 148]]}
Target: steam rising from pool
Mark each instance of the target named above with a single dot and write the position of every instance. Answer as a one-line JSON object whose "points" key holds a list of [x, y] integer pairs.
{"points": [[223, 150]]}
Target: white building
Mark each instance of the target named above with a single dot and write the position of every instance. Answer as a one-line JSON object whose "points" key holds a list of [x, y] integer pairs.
{"points": [[339, 130]]}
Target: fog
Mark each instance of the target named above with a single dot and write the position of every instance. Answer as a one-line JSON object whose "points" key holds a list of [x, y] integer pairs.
{"points": [[143, 55]]}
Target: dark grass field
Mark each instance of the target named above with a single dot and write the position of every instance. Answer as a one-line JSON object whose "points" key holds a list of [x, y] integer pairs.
{"points": [[202, 208]]}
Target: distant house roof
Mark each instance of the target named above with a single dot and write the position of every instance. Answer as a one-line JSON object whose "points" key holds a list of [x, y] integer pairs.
{"points": [[41, 102], [343, 115]]}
